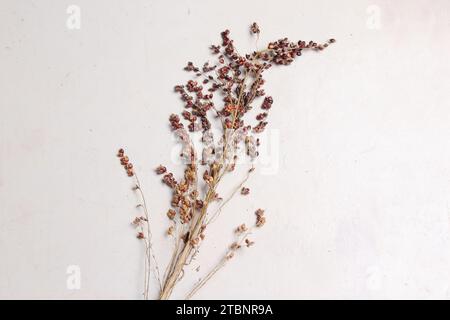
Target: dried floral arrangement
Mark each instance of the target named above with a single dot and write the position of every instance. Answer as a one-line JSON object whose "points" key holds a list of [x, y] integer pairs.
{"points": [[220, 94]]}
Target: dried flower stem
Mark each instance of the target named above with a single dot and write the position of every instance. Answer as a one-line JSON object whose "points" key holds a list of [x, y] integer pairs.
{"points": [[149, 252], [238, 80]]}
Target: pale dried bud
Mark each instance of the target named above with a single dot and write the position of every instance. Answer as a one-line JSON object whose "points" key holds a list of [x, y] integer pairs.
{"points": [[260, 219], [195, 241], [242, 228]]}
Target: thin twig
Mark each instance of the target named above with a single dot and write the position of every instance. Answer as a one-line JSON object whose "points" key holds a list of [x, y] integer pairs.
{"points": [[228, 256], [215, 215], [149, 237]]}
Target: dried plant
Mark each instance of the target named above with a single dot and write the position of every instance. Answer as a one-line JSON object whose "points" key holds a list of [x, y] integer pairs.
{"points": [[235, 82]]}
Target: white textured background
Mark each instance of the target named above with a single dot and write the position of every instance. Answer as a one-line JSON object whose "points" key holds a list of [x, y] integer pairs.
{"points": [[358, 207]]}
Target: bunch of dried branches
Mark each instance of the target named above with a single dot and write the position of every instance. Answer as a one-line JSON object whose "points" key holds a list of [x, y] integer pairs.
{"points": [[236, 82]]}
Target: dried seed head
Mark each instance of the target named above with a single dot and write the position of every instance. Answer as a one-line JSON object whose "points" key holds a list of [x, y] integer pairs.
{"points": [[242, 228], [190, 67], [185, 214], [198, 204], [262, 116], [170, 230], [182, 187], [260, 218], [207, 177], [254, 28], [175, 200], [260, 221], [267, 103], [161, 169], [259, 212], [190, 175], [140, 235], [169, 180], [215, 49], [235, 246], [171, 214], [249, 243]]}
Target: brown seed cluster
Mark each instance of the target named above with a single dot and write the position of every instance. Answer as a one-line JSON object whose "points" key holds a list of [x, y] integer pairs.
{"points": [[254, 28], [139, 220], [199, 204], [207, 177], [283, 51], [235, 246], [260, 218], [161, 169], [185, 196], [260, 127], [140, 235], [242, 228], [249, 243], [171, 214], [245, 191], [196, 100], [169, 180], [125, 162], [175, 122]]}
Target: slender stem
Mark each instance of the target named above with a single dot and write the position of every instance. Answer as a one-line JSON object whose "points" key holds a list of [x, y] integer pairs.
{"points": [[228, 256], [219, 210], [203, 281], [148, 244]]}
